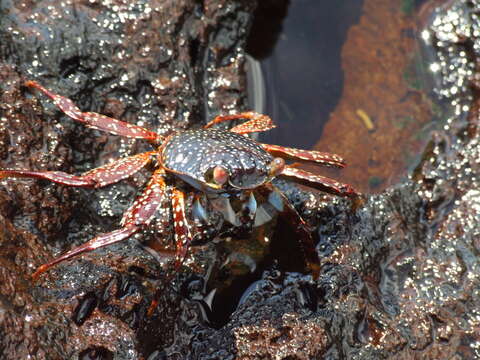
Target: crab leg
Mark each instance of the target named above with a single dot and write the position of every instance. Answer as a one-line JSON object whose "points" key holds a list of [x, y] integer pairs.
{"points": [[94, 120], [291, 216], [317, 181], [99, 177], [306, 155], [137, 216], [183, 236], [257, 122]]}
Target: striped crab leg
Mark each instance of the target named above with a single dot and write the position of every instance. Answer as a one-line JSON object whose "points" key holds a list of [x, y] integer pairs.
{"points": [[317, 181], [183, 236], [322, 158], [257, 122], [138, 215], [95, 120], [99, 177]]}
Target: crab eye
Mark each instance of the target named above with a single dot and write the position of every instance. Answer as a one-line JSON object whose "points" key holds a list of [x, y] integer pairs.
{"points": [[277, 166], [217, 175], [220, 175]]}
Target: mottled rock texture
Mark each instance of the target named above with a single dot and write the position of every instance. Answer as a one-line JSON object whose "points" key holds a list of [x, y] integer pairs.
{"points": [[400, 274]]}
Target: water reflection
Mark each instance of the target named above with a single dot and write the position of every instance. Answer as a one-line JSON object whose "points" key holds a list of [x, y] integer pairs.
{"points": [[299, 45], [347, 77]]}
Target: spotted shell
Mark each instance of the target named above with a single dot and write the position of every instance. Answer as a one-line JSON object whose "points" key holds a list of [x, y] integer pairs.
{"points": [[193, 153]]}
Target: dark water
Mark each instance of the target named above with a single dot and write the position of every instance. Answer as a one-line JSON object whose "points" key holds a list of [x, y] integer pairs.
{"points": [[297, 47], [299, 44]]}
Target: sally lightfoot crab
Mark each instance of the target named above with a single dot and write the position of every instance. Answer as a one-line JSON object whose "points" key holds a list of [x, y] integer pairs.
{"points": [[214, 162]]}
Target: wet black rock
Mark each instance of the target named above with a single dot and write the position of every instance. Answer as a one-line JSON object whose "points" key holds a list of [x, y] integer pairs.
{"points": [[399, 274], [160, 64]]}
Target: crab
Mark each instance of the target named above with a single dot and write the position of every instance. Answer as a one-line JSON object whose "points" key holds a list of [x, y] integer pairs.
{"points": [[212, 161]]}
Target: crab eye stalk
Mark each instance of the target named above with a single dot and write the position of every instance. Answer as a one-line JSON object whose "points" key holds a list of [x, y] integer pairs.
{"points": [[217, 176], [276, 166]]}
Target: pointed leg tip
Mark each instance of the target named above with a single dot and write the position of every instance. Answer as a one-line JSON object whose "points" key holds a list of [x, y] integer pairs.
{"points": [[314, 271], [152, 307], [40, 271], [5, 174], [349, 191], [36, 85]]}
